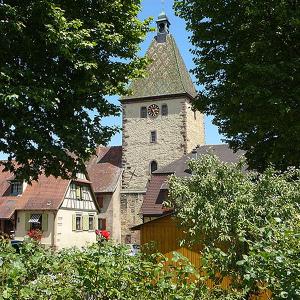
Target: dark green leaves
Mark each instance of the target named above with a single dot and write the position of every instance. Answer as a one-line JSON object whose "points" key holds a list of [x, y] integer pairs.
{"points": [[58, 62], [247, 59]]}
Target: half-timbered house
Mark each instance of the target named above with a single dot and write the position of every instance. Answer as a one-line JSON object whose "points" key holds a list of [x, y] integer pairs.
{"points": [[65, 211]]}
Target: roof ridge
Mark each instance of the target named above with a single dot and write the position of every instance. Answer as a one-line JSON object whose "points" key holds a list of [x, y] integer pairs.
{"points": [[177, 65]]}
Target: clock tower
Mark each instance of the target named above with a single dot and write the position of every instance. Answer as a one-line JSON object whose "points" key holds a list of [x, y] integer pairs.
{"points": [[159, 125]]}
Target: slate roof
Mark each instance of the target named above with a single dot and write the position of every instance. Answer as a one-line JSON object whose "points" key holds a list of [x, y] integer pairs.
{"points": [[166, 73], [105, 168], [152, 204]]}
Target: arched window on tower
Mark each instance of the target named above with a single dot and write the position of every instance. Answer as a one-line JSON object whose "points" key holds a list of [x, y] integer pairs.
{"points": [[164, 110], [153, 166]]}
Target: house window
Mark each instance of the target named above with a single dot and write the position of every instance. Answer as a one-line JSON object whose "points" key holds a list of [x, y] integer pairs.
{"points": [[153, 137], [143, 112], [73, 191], [164, 110], [78, 192], [80, 176], [153, 166], [78, 222], [102, 224], [91, 222], [16, 188], [35, 221], [85, 195]]}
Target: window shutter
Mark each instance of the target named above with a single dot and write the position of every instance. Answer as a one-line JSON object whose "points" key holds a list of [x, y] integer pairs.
{"points": [[44, 222], [85, 219], [74, 222], [95, 222], [27, 224]]}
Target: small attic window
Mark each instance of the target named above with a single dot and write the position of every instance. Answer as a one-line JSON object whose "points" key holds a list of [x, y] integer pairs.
{"points": [[80, 176], [16, 188]]}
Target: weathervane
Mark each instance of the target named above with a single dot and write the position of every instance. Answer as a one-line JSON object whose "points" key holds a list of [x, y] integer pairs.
{"points": [[163, 4]]}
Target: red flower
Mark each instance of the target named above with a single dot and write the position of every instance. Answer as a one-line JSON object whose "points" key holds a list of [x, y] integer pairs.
{"points": [[35, 234], [103, 233]]}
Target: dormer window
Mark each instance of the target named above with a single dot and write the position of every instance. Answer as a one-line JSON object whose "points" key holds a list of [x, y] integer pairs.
{"points": [[80, 176], [16, 188]]}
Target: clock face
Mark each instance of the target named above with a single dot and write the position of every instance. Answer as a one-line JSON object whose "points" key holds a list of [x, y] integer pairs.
{"points": [[153, 110]]}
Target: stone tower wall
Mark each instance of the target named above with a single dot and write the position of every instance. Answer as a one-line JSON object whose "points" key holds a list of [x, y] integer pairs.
{"points": [[138, 152], [130, 215], [194, 128]]}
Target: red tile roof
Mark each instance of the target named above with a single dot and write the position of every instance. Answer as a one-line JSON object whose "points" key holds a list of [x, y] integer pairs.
{"points": [[154, 197], [7, 207], [105, 168], [45, 194]]}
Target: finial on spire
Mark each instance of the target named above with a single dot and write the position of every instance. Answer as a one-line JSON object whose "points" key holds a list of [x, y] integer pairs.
{"points": [[163, 25], [163, 5]]}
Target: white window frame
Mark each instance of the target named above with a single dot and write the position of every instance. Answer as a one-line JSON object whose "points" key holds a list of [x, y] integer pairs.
{"points": [[77, 215], [93, 218]]}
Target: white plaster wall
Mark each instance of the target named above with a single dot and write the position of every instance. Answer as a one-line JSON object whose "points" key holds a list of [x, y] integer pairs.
{"points": [[21, 232], [138, 152], [111, 211], [65, 237]]}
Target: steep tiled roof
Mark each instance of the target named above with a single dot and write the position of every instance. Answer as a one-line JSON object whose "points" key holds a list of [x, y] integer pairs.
{"points": [[45, 194], [7, 207], [166, 73], [152, 204], [104, 169]]}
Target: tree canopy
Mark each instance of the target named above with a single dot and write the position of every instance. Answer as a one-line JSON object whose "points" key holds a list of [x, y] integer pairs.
{"points": [[247, 59], [247, 223], [58, 62]]}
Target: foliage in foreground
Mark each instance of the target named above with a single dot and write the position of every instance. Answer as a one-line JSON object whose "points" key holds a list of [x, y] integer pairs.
{"points": [[247, 58], [105, 272], [248, 223], [58, 62]]}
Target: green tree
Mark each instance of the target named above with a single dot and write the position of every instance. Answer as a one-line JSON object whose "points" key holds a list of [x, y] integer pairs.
{"points": [[58, 62], [248, 224], [247, 59]]}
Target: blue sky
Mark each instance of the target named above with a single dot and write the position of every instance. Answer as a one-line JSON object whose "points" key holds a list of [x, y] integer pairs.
{"points": [[152, 8]]}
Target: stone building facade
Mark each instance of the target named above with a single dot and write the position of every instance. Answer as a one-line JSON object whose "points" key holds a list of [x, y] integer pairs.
{"points": [[159, 125]]}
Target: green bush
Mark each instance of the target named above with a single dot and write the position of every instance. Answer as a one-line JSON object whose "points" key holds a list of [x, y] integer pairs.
{"points": [[101, 271], [247, 223]]}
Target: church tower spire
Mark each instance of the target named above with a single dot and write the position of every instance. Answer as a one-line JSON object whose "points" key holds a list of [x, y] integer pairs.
{"points": [[163, 27], [159, 124]]}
